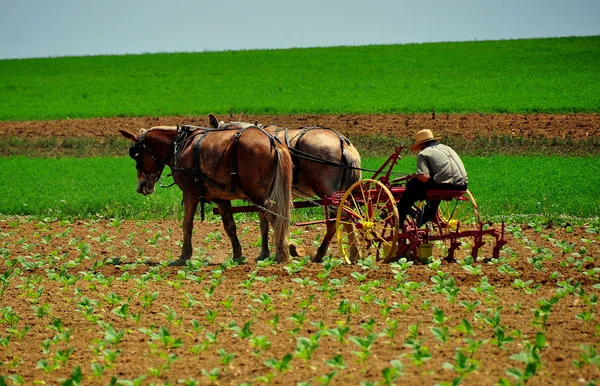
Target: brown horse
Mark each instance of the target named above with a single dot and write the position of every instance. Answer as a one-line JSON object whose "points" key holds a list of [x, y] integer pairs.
{"points": [[219, 166], [324, 162]]}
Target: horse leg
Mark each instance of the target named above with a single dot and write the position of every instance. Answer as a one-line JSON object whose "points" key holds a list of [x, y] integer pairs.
{"points": [[282, 247], [354, 239], [190, 204], [230, 228], [264, 235], [294, 250], [318, 257], [282, 251]]}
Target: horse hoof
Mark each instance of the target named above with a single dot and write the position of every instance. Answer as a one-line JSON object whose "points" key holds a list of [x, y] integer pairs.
{"points": [[315, 257], [262, 258], [296, 250], [239, 260], [178, 263]]}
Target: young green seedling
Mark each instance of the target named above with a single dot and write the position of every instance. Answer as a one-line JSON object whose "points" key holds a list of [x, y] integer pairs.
{"points": [[391, 329], [365, 344], [305, 347], [282, 365], [339, 332], [259, 344], [462, 365], [226, 357]]}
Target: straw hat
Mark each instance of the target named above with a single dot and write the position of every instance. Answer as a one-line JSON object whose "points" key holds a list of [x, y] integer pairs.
{"points": [[421, 137]]}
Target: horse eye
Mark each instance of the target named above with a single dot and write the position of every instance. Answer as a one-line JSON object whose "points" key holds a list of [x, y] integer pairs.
{"points": [[134, 153]]}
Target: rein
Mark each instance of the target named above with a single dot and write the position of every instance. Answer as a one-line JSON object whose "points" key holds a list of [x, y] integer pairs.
{"points": [[309, 157]]}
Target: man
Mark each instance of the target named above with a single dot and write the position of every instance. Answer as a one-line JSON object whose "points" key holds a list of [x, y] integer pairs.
{"points": [[438, 167]]}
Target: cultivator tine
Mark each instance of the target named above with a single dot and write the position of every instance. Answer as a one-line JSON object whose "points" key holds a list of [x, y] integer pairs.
{"points": [[453, 245], [500, 242], [477, 242], [476, 245]]}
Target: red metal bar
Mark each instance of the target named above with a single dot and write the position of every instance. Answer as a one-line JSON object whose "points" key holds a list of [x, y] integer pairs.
{"points": [[301, 224], [391, 161], [252, 208]]}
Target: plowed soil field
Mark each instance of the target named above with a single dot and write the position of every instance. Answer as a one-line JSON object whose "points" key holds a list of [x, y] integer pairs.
{"points": [[572, 126], [93, 301]]}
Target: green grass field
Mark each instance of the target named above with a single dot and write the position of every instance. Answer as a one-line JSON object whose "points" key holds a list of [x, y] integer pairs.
{"points": [[523, 76], [519, 76], [105, 187]]}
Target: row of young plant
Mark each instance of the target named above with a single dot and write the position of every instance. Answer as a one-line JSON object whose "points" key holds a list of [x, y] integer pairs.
{"points": [[482, 325]]}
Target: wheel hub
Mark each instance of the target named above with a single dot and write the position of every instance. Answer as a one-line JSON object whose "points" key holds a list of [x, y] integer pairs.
{"points": [[368, 225]]}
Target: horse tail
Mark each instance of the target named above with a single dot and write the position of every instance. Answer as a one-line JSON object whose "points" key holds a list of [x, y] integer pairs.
{"points": [[353, 173], [280, 198]]}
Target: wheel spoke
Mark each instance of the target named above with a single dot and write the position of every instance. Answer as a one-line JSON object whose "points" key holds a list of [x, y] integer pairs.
{"points": [[456, 215], [349, 210], [371, 211], [357, 206]]}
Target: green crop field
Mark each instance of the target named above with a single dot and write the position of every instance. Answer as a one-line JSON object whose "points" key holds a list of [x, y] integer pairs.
{"points": [[105, 187], [523, 76]]}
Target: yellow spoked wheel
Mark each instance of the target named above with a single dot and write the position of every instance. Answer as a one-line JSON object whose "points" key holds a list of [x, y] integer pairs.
{"points": [[457, 215], [367, 222]]}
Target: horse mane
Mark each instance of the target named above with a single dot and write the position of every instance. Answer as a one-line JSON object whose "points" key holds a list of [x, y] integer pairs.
{"points": [[163, 128], [242, 125]]}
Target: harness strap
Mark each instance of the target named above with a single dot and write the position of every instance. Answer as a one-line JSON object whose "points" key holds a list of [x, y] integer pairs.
{"points": [[342, 140], [300, 154], [192, 135], [234, 161], [297, 153], [286, 140], [199, 177], [196, 135], [234, 164]]}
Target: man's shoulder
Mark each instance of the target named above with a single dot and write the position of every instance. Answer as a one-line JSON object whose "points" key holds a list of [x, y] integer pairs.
{"points": [[439, 148], [433, 149]]}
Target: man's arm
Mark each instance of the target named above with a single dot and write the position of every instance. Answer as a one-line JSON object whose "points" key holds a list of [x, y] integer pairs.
{"points": [[423, 177], [422, 169]]}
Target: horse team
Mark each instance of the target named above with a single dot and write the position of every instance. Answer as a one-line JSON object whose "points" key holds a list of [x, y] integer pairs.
{"points": [[266, 166]]}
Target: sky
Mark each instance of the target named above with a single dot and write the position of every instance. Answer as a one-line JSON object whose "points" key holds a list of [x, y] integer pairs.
{"points": [[50, 28]]}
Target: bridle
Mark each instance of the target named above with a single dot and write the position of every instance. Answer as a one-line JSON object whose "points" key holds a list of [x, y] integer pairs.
{"points": [[135, 152]]}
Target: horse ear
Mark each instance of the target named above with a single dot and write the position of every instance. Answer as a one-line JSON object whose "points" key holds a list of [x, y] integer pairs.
{"points": [[214, 122], [128, 135]]}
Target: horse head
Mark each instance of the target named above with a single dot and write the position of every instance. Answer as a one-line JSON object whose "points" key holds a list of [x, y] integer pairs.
{"points": [[149, 160]]}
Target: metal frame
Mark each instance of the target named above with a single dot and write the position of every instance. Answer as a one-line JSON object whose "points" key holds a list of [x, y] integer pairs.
{"points": [[409, 237]]}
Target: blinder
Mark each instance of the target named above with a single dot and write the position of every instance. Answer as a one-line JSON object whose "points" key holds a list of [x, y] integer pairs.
{"points": [[135, 152]]}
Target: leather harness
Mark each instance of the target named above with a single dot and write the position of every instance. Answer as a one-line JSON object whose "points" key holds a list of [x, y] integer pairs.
{"points": [[296, 153], [188, 134]]}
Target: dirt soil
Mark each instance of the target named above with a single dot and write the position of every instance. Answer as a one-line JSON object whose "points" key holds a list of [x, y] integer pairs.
{"points": [[74, 287], [563, 126], [85, 271]]}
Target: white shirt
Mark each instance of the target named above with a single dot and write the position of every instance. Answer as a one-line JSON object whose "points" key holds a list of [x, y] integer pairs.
{"points": [[443, 164]]}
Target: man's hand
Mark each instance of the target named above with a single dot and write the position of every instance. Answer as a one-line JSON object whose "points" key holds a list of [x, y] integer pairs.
{"points": [[423, 177]]}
